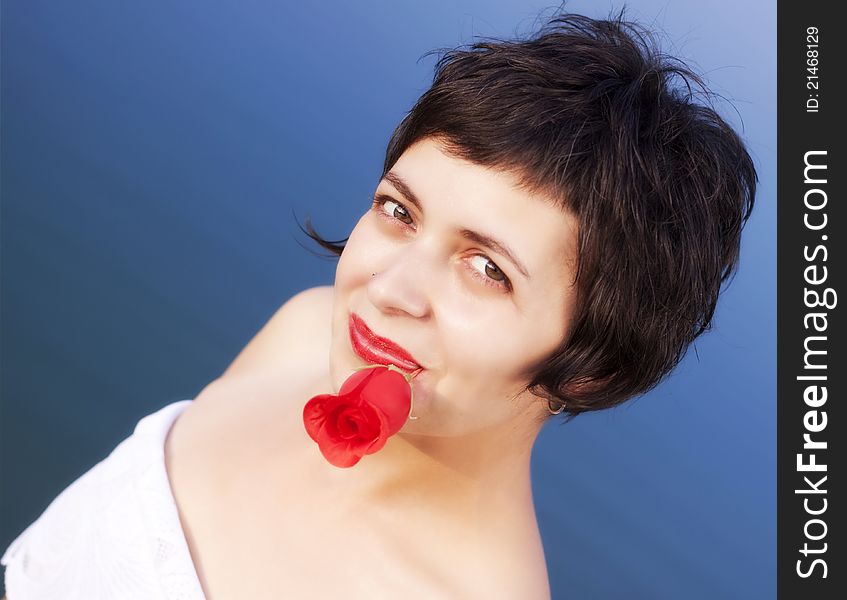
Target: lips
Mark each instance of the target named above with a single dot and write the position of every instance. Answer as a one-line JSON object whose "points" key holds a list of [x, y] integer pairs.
{"points": [[376, 349]]}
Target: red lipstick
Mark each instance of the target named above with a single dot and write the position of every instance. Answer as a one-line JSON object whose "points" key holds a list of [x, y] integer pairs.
{"points": [[376, 349]]}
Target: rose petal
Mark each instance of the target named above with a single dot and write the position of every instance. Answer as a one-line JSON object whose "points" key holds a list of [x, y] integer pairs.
{"points": [[339, 455], [371, 428], [389, 391], [379, 441], [348, 422], [357, 381], [372, 405], [314, 415]]}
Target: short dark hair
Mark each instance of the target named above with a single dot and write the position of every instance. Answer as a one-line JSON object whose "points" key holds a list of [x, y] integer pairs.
{"points": [[591, 114]]}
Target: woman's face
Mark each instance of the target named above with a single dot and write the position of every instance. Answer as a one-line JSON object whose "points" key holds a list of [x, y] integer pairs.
{"points": [[461, 307]]}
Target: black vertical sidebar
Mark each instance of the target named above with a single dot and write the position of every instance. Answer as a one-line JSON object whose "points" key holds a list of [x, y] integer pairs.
{"points": [[811, 363]]}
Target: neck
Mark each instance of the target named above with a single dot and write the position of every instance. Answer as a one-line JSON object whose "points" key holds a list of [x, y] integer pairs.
{"points": [[461, 473]]}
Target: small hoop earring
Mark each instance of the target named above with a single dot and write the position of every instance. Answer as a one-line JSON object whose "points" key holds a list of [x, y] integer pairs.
{"points": [[558, 410]]}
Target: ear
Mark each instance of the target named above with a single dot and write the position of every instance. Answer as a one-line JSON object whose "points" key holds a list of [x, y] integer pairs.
{"points": [[578, 395]]}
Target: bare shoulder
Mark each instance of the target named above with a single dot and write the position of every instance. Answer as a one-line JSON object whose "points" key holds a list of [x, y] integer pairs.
{"points": [[303, 319], [279, 360], [519, 572], [288, 345], [531, 584]]}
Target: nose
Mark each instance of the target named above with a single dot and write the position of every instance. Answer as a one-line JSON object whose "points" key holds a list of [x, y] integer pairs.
{"points": [[402, 285]]}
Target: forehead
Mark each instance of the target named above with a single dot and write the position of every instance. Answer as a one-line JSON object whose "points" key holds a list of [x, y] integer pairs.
{"points": [[458, 194]]}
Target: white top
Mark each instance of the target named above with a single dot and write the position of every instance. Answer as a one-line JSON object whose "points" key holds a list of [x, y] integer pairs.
{"points": [[113, 533]]}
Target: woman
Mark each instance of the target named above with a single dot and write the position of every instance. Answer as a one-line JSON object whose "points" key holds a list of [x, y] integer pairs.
{"points": [[551, 230]]}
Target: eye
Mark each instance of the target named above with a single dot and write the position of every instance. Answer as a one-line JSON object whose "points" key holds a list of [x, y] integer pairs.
{"points": [[493, 276], [389, 209]]}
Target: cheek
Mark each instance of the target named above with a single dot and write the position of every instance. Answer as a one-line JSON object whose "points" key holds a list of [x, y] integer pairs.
{"points": [[483, 345], [356, 259], [494, 349]]}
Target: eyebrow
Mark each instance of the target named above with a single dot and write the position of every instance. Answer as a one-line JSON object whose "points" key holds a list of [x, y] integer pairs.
{"points": [[469, 234]]}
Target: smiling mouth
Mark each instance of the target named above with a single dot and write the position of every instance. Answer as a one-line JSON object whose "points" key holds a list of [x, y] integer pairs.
{"points": [[376, 349]]}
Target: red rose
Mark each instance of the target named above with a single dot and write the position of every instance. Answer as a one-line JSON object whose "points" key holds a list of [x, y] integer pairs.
{"points": [[371, 406]]}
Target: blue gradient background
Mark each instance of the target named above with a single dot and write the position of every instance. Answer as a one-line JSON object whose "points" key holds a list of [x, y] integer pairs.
{"points": [[152, 155]]}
